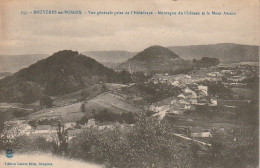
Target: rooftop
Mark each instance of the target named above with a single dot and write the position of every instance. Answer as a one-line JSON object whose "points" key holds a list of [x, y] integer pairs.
{"points": [[43, 127]]}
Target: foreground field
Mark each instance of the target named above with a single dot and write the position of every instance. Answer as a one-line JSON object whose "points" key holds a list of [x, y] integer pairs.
{"points": [[113, 102], [66, 113], [70, 113]]}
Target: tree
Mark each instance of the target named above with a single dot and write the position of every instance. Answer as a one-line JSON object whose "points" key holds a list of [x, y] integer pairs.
{"points": [[124, 77], [83, 120], [83, 107], [60, 146], [148, 143], [234, 147], [206, 62], [46, 101]]}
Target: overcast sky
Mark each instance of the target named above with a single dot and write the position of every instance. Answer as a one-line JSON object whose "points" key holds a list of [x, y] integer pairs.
{"points": [[32, 34]]}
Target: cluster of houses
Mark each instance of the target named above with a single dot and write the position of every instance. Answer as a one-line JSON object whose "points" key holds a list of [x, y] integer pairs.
{"points": [[181, 80], [16, 128], [188, 100], [234, 74]]}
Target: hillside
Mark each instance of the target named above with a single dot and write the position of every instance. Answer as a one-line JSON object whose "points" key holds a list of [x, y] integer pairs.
{"points": [[63, 72], [155, 59], [113, 56], [113, 100], [225, 52]]}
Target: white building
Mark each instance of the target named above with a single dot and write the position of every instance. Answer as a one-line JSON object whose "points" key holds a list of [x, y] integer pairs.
{"points": [[91, 123], [199, 133], [204, 89], [73, 133], [69, 125], [42, 129], [24, 129], [214, 102]]}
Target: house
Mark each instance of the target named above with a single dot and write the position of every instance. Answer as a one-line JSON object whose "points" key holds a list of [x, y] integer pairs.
{"points": [[103, 125], [13, 122], [184, 101], [204, 89], [175, 112], [42, 129], [187, 107], [73, 133], [192, 92], [213, 102], [25, 129], [226, 71], [160, 114], [158, 108], [10, 133], [196, 132], [157, 78], [203, 100], [53, 129], [90, 123], [162, 105], [164, 81], [188, 76], [69, 125], [185, 96], [48, 136], [193, 101], [214, 74], [181, 96], [175, 83]]}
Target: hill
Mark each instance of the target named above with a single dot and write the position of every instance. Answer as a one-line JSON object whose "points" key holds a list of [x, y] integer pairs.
{"points": [[155, 59], [225, 52], [63, 72], [13, 63]]}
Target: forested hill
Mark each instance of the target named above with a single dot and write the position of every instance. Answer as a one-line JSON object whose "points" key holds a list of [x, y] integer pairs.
{"points": [[154, 59], [61, 73]]}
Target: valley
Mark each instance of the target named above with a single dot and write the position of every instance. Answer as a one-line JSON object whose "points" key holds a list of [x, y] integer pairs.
{"points": [[67, 96]]}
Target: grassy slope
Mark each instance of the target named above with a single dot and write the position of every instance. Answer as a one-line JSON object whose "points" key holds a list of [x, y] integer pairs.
{"points": [[114, 101]]}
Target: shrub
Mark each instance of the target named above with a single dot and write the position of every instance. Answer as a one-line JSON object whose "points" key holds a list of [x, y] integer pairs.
{"points": [[46, 101], [24, 144], [149, 143], [107, 116], [234, 147]]}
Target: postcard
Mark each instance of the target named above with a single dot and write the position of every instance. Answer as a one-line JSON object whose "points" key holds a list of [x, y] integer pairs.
{"points": [[129, 84]]}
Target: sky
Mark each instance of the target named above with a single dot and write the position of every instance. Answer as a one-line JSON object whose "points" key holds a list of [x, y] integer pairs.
{"points": [[46, 34]]}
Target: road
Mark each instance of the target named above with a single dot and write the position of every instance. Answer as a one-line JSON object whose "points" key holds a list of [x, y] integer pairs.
{"points": [[194, 140]]}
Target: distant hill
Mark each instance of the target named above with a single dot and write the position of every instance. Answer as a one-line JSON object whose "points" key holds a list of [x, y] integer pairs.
{"points": [[113, 56], [154, 59], [13, 63], [61, 73], [225, 52]]}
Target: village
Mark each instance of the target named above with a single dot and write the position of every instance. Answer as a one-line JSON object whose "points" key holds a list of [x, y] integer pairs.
{"points": [[195, 96]]}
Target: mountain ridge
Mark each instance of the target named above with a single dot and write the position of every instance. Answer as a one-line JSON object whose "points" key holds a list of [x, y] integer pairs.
{"points": [[246, 53], [225, 52]]}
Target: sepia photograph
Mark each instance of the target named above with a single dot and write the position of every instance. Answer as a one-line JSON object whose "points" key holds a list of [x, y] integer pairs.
{"points": [[129, 84]]}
